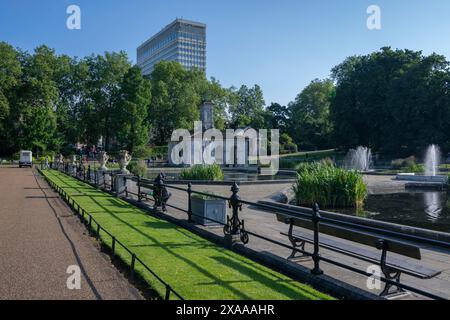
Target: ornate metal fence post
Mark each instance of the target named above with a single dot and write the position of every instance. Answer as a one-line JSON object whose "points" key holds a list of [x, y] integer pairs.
{"points": [[89, 173], [139, 188], [104, 180], [234, 229], [316, 255], [189, 191], [111, 180], [160, 193], [126, 186]]}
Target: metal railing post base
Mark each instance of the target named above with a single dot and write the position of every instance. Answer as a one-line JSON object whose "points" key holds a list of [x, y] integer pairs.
{"points": [[317, 271], [231, 239]]}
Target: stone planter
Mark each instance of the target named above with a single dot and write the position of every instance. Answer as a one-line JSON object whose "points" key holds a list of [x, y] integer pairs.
{"points": [[209, 208]]}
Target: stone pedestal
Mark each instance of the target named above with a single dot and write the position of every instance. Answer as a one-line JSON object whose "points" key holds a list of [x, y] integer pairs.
{"points": [[73, 169], [120, 183]]}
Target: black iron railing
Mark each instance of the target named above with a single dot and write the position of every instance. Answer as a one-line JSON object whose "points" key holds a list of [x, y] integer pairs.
{"points": [[95, 229], [236, 228]]}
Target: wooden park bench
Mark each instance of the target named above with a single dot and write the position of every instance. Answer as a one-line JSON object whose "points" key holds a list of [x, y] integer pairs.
{"points": [[392, 267]]}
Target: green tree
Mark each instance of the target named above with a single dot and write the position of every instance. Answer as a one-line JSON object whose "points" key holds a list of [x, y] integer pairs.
{"points": [[310, 124], [100, 112], [277, 117], [132, 125], [212, 91], [35, 98], [10, 77], [247, 107], [396, 101], [175, 101]]}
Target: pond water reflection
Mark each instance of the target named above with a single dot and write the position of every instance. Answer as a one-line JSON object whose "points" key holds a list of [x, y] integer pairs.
{"points": [[429, 210]]}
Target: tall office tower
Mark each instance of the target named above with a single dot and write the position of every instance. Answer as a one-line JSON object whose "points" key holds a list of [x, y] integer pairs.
{"points": [[182, 40]]}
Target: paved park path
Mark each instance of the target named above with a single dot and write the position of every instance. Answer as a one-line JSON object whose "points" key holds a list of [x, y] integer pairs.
{"points": [[40, 238]]}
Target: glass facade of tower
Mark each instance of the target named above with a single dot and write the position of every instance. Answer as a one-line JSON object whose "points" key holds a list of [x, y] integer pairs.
{"points": [[183, 41]]}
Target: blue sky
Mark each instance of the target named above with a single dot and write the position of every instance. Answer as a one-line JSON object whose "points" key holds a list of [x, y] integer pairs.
{"points": [[280, 45]]}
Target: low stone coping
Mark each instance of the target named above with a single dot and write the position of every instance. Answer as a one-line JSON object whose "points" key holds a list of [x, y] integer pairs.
{"points": [[418, 178], [228, 183]]}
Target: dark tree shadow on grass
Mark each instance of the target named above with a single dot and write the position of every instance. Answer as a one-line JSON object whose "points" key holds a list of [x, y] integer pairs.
{"points": [[259, 274]]}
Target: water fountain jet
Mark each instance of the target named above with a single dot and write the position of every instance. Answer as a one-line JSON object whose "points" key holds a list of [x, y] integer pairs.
{"points": [[432, 161], [359, 159]]}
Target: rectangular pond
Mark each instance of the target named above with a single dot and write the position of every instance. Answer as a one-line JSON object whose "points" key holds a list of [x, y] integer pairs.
{"points": [[428, 210]]}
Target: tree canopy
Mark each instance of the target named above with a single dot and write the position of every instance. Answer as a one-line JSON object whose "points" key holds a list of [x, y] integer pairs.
{"points": [[310, 124], [396, 101]]}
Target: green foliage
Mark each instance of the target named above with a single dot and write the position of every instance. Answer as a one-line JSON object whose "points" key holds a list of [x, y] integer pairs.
{"points": [[310, 124], [329, 186], [247, 107], [101, 107], [142, 152], [408, 165], [292, 161], [415, 168], [175, 102], [138, 168], [403, 163], [277, 117], [203, 172], [287, 145], [286, 163], [132, 125], [395, 101], [210, 196]]}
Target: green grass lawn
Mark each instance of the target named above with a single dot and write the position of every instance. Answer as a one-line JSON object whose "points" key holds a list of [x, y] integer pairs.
{"points": [[194, 267], [306, 154], [293, 160]]}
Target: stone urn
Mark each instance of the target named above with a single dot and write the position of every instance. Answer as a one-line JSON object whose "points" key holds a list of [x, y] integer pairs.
{"points": [[73, 164], [124, 160], [60, 161], [103, 160]]}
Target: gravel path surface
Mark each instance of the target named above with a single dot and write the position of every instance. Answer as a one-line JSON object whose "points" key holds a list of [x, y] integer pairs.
{"points": [[40, 238]]}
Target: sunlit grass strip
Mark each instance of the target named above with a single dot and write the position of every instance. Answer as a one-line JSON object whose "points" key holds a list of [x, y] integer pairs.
{"points": [[329, 186], [294, 160], [193, 266]]}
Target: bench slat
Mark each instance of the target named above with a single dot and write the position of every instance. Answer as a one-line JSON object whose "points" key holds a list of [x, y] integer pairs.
{"points": [[353, 235], [403, 265]]}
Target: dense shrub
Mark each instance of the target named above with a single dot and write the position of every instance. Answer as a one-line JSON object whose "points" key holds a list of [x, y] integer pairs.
{"points": [[288, 163], [415, 168], [329, 186], [203, 172], [403, 163], [408, 164], [287, 145], [138, 168], [145, 152]]}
